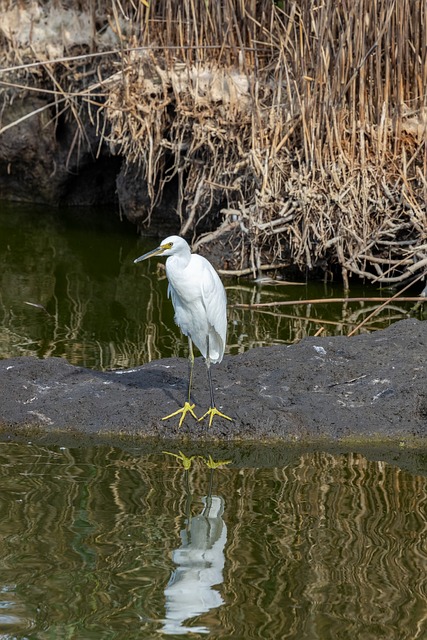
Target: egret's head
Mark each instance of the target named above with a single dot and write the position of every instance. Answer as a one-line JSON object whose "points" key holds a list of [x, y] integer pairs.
{"points": [[168, 247]]}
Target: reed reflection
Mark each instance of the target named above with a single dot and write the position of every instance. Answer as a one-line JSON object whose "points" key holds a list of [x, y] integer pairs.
{"points": [[98, 542], [73, 292]]}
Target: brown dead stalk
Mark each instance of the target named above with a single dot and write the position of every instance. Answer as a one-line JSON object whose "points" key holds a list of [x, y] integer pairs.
{"points": [[307, 121]]}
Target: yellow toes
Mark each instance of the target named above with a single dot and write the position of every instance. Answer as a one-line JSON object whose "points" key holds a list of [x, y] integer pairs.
{"points": [[187, 408], [213, 411]]}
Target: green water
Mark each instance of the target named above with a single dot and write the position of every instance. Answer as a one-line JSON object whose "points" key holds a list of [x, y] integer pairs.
{"points": [[102, 543], [69, 288], [105, 543]]}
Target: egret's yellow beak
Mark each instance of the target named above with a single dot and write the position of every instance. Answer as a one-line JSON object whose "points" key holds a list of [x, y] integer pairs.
{"points": [[154, 252]]}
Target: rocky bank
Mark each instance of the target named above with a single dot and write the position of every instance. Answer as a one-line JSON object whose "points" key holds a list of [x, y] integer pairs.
{"points": [[367, 388]]}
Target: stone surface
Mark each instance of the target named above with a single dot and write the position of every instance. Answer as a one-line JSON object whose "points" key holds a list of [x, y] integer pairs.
{"points": [[366, 388]]}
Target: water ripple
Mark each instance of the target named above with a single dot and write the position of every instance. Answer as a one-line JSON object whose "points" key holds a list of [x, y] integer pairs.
{"points": [[106, 544]]}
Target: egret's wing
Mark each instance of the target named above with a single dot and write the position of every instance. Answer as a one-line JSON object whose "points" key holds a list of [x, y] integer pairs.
{"points": [[181, 315], [215, 302]]}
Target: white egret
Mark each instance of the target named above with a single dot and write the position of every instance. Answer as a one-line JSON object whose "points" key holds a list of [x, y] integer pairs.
{"points": [[200, 304]]}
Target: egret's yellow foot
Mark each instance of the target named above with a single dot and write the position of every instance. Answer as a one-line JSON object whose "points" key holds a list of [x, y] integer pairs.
{"points": [[213, 411], [185, 460], [187, 408]]}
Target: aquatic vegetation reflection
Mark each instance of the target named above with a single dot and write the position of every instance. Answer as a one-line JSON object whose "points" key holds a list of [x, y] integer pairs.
{"points": [[98, 542], [72, 291]]}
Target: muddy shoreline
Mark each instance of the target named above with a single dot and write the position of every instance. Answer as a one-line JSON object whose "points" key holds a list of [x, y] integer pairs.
{"points": [[366, 389]]}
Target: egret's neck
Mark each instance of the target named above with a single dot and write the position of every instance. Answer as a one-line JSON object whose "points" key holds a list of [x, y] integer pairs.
{"points": [[178, 262]]}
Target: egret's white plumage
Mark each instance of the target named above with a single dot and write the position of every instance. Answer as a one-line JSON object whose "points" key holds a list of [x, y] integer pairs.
{"points": [[200, 304]]}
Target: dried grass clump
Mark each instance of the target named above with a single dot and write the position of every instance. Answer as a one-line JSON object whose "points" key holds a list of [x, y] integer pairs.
{"points": [[51, 52], [196, 115], [306, 123], [37, 34], [303, 124]]}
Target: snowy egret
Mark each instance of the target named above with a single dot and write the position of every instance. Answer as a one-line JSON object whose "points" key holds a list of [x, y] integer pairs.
{"points": [[200, 304]]}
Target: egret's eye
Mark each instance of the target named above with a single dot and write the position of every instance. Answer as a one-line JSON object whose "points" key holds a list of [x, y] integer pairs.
{"points": [[168, 245]]}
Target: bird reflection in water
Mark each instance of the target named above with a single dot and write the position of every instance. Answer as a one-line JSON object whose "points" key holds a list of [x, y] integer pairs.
{"points": [[199, 565]]}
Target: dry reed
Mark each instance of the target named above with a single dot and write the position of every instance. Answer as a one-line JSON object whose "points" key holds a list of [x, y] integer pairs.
{"points": [[296, 130]]}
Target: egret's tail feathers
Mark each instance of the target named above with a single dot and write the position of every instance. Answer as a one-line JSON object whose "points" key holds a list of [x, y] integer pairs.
{"points": [[216, 348]]}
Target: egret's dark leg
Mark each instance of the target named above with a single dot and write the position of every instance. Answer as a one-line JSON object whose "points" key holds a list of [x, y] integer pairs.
{"points": [[188, 407], [212, 411], [190, 378], [208, 366]]}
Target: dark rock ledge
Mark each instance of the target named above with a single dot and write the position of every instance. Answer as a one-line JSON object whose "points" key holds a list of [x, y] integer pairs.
{"points": [[368, 388]]}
